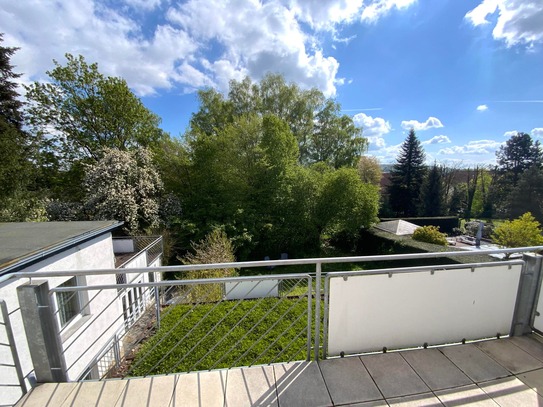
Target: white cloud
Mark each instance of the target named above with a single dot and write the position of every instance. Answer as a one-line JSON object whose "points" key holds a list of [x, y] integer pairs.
{"points": [[518, 21], [373, 128], [379, 8], [510, 133], [432, 122], [482, 108], [438, 140], [537, 132], [473, 147]]}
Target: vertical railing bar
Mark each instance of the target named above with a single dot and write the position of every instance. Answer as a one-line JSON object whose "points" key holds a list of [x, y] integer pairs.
{"points": [[309, 307], [317, 309], [157, 306], [325, 323], [13, 347]]}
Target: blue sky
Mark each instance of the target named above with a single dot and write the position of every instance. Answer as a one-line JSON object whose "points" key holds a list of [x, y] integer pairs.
{"points": [[465, 74]]}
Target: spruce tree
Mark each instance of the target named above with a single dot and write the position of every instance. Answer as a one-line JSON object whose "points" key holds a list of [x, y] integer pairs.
{"points": [[10, 105], [407, 177], [433, 193]]}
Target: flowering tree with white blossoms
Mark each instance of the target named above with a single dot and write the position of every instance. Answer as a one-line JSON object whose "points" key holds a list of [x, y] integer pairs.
{"points": [[124, 185]]}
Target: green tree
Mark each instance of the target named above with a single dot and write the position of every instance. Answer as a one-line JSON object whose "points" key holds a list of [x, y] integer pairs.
{"points": [[82, 112], [433, 193], [522, 232], [10, 105], [519, 153], [369, 170], [407, 177], [527, 196]]}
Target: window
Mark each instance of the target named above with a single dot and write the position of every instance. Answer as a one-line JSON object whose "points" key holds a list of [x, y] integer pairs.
{"points": [[69, 305]]}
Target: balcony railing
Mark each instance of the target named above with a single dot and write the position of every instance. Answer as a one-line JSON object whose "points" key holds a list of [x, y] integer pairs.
{"points": [[279, 318]]}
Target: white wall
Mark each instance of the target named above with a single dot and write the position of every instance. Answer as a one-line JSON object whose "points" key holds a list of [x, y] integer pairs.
{"points": [[94, 254]]}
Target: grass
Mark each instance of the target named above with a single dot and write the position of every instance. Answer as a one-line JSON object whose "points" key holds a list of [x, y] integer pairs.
{"points": [[226, 334]]}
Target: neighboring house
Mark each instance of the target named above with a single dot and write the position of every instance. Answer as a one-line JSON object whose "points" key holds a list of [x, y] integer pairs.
{"points": [[84, 319]]}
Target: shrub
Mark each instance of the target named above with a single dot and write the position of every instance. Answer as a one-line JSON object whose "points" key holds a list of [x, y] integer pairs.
{"points": [[430, 234], [523, 231]]}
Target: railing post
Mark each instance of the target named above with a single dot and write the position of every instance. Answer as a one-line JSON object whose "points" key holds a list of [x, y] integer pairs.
{"points": [[528, 292], [157, 306], [42, 333], [11, 341], [318, 310]]}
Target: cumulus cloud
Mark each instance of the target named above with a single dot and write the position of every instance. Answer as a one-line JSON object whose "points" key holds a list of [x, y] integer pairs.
{"points": [[510, 133], [195, 43], [373, 128], [537, 132], [438, 140], [473, 147], [518, 21], [482, 108], [377, 9], [432, 122]]}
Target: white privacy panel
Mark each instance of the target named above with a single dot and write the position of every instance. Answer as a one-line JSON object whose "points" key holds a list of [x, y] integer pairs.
{"points": [[538, 321], [251, 289], [369, 312]]}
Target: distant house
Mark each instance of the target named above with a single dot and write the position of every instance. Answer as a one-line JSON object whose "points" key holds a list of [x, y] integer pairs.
{"points": [[84, 319]]}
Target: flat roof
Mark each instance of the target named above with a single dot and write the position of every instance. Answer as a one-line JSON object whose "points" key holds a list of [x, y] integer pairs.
{"points": [[23, 242]]}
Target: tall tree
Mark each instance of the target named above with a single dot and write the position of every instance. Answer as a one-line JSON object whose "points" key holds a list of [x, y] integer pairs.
{"points": [[407, 177], [88, 112], [519, 153], [433, 193], [527, 196], [369, 170], [10, 105]]}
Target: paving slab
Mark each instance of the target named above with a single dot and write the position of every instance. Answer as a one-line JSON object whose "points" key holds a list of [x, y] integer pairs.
{"points": [[104, 393], [301, 384], [511, 392], [162, 390], [435, 369], [393, 375], [418, 400], [376, 403], [530, 345], [510, 356], [476, 364], [470, 395], [47, 395], [137, 392], [348, 381], [254, 386], [533, 379], [200, 389]]}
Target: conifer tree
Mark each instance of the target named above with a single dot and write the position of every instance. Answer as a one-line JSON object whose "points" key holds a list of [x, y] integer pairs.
{"points": [[407, 177], [433, 193]]}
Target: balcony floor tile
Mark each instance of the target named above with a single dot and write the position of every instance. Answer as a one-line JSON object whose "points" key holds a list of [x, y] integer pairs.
{"points": [[393, 375], [200, 389], [476, 364], [533, 379], [417, 400], [253, 386], [470, 395], [348, 381], [301, 384], [435, 369], [510, 356], [104, 393], [530, 345], [511, 392]]}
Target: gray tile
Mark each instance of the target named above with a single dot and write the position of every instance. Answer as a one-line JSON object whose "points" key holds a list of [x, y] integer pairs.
{"points": [[200, 389], [137, 392], [476, 364], [435, 369], [417, 400], [376, 403], [104, 393], [509, 356], [348, 381], [511, 392], [301, 384], [529, 345], [470, 395], [533, 379], [393, 375], [47, 395], [253, 386]]}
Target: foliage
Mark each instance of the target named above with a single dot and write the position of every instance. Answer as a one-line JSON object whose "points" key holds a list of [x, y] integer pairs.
{"points": [[10, 105], [124, 185], [369, 170], [23, 206], [322, 134], [430, 234], [80, 112], [215, 248], [527, 196], [473, 227], [520, 232], [433, 193], [258, 338], [407, 177], [519, 153]]}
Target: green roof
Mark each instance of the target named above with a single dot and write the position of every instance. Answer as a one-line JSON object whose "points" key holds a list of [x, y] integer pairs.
{"points": [[26, 242]]}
